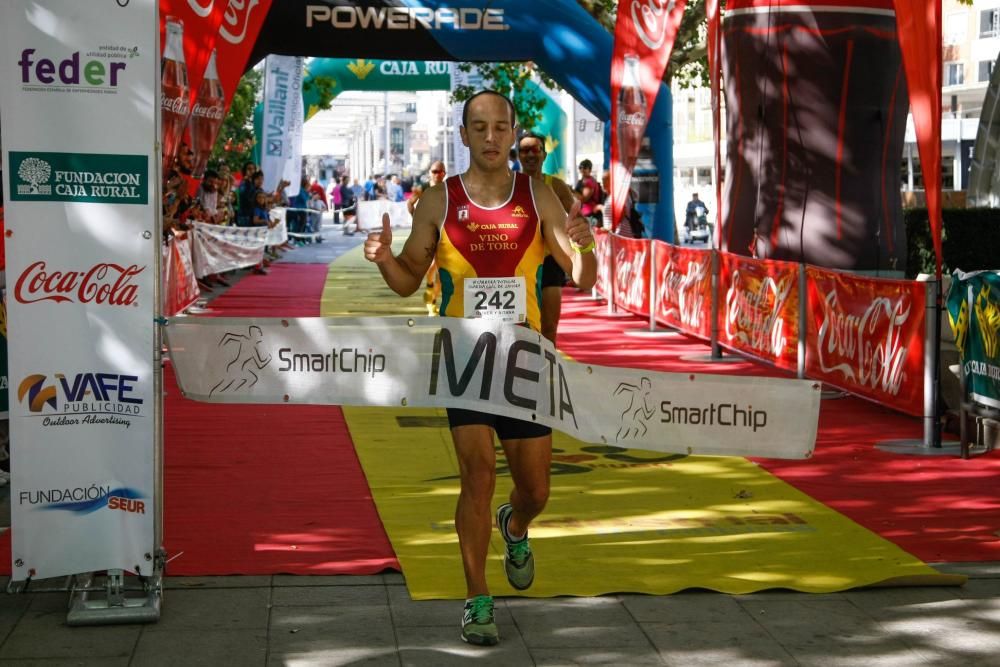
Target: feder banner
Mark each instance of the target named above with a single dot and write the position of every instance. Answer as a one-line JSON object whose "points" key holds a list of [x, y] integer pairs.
{"points": [[79, 93], [977, 332]]}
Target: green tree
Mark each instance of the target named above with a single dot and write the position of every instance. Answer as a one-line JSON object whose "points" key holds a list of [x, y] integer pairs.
{"points": [[234, 145]]}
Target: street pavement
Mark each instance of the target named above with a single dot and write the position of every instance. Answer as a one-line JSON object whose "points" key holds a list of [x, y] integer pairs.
{"points": [[352, 620]]}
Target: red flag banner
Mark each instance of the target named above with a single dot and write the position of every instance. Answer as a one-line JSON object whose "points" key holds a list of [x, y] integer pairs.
{"points": [[759, 314], [919, 31], [241, 23], [713, 15], [866, 336], [683, 298], [645, 31], [180, 287], [631, 273]]}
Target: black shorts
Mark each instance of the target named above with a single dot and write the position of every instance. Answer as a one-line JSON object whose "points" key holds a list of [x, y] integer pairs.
{"points": [[507, 428], [552, 274]]}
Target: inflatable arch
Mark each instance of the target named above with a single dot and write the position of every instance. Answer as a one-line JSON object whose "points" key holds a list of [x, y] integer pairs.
{"points": [[557, 35]]}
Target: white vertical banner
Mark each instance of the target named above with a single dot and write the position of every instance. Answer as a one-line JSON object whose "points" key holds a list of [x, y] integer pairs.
{"points": [[79, 89], [459, 153], [281, 154]]}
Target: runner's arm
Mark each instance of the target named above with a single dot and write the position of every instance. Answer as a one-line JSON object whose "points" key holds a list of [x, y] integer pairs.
{"points": [[404, 273], [563, 193], [559, 230]]}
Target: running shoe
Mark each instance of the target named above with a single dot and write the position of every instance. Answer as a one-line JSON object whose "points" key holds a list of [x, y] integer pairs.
{"points": [[478, 626], [518, 561]]}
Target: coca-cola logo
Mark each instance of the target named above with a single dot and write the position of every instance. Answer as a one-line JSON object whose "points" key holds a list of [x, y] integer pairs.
{"points": [[213, 112], [869, 349], [681, 294], [236, 20], [650, 19], [177, 105], [104, 284], [203, 9], [755, 312], [637, 118], [630, 277]]}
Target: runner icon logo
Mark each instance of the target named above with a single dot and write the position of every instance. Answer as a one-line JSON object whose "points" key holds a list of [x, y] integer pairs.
{"points": [[638, 409], [244, 360]]}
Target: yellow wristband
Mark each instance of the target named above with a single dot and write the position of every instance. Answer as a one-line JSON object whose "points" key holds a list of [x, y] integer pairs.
{"points": [[583, 249]]}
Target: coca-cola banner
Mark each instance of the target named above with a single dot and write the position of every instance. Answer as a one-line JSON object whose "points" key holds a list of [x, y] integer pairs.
{"points": [[217, 248], [180, 286], [79, 84], [866, 336], [602, 252], [683, 297], [631, 273], [759, 308], [644, 38], [977, 331], [281, 149]]}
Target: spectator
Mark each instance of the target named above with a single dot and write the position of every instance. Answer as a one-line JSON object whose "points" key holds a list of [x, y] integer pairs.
{"points": [[589, 191]]}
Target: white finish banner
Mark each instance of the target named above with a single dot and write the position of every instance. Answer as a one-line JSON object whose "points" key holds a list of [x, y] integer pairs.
{"points": [[370, 214], [490, 367], [277, 234], [79, 90], [281, 154], [218, 248]]}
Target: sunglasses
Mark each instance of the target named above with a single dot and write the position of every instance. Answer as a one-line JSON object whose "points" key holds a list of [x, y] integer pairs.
{"points": [[437, 171], [530, 150]]}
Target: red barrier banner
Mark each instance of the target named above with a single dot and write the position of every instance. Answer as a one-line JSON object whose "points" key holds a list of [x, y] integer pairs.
{"points": [[631, 274], [760, 308], [683, 297], [866, 336], [180, 287], [603, 254]]}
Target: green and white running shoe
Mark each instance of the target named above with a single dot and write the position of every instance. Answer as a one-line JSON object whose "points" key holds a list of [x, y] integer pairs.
{"points": [[518, 561], [478, 626]]}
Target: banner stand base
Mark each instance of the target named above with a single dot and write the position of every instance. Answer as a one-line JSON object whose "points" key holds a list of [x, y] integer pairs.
{"points": [[708, 358], [918, 448], [659, 333], [115, 606]]}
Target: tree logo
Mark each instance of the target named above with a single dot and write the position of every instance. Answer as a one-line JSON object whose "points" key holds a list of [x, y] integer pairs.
{"points": [[35, 173]]}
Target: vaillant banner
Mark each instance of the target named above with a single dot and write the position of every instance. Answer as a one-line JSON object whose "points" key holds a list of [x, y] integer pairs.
{"points": [[79, 89], [281, 150]]}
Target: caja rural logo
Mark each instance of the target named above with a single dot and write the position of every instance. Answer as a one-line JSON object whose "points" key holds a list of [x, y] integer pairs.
{"points": [[79, 177], [85, 398]]}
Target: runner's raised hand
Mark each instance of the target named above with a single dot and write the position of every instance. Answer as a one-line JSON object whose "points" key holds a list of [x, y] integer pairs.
{"points": [[378, 246], [577, 227]]}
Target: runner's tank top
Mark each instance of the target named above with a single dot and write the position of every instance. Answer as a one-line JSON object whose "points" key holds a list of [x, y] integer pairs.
{"points": [[499, 242]]}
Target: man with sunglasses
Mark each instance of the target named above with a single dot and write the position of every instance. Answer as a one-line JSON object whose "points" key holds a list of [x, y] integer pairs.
{"points": [[448, 226], [532, 154]]}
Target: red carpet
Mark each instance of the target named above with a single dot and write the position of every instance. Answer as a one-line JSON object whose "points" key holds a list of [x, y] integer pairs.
{"points": [[266, 489], [940, 509]]}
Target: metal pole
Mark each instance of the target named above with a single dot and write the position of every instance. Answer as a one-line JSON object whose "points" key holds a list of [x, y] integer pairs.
{"points": [[385, 102], [716, 349], [803, 310], [931, 351], [652, 284], [611, 273]]}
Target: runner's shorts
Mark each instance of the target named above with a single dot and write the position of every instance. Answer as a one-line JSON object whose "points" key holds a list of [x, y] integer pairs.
{"points": [[507, 428], [552, 274]]}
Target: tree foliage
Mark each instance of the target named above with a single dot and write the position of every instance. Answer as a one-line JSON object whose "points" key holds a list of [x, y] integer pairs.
{"points": [[234, 145]]}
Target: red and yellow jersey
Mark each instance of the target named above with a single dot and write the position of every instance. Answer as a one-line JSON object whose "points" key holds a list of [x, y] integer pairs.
{"points": [[500, 242]]}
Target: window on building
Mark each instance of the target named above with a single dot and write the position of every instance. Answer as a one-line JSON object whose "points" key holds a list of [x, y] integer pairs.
{"points": [[955, 28], [986, 69], [704, 176], [954, 74], [989, 22], [396, 140]]}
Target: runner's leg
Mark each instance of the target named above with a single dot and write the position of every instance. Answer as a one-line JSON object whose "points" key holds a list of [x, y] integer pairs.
{"points": [[473, 515]]}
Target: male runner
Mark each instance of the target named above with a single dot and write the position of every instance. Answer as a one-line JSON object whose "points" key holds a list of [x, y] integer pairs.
{"points": [[445, 227], [531, 150]]}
